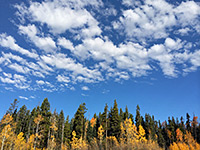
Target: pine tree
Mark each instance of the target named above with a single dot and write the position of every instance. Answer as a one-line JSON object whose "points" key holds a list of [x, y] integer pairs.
{"points": [[114, 118], [90, 135], [60, 132], [13, 107], [188, 127], [45, 123], [78, 125], [126, 114], [138, 119], [105, 123], [67, 131], [161, 140], [22, 120]]}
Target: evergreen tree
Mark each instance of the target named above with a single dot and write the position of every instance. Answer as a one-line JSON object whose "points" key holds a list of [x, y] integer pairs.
{"points": [[12, 107], [188, 127], [126, 114], [67, 131], [161, 140], [78, 125], [138, 119], [22, 120], [61, 121], [45, 123], [114, 118]]}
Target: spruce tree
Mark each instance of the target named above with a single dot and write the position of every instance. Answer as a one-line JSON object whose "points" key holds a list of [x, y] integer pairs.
{"points": [[12, 107], [126, 114], [78, 125], [61, 121], [114, 121], [67, 130], [138, 119], [188, 127], [45, 123]]}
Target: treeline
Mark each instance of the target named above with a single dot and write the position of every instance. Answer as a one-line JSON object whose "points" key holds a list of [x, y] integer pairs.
{"points": [[113, 129]]}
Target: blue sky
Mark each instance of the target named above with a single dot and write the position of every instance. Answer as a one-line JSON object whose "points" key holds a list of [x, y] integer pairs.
{"points": [[138, 52]]}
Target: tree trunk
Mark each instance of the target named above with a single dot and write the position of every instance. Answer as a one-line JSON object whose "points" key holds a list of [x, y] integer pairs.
{"points": [[36, 134], [62, 135], [2, 143], [106, 131]]}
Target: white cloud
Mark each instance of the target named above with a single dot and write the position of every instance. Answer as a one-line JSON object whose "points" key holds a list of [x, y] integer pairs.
{"points": [[40, 82], [9, 42], [19, 68], [60, 61], [45, 43], [85, 88], [65, 43], [155, 18], [23, 97], [62, 78], [18, 81], [145, 38], [63, 15]]}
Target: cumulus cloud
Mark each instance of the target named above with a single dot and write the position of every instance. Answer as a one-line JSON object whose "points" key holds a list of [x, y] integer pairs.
{"points": [[67, 44], [9, 42], [154, 18], [62, 78], [45, 43], [60, 61], [17, 80], [85, 88], [63, 16]]}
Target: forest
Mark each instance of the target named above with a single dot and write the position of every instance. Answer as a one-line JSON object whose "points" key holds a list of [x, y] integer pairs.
{"points": [[112, 129]]}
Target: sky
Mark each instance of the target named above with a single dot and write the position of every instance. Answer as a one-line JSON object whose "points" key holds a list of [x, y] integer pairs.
{"points": [[137, 52]]}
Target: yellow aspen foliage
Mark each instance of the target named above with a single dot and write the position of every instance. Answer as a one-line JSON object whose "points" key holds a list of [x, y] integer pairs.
{"points": [[7, 119], [182, 146], [131, 131], [188, 138], [52, 143], [174, 146], [112, 141], [141, 134], [82, 144], [93, 122], [20, 142], [30, 143], [7, 136], [74, 142], [179, 135], [122, 135], [100, 134], [38, 119], [169, 133]]}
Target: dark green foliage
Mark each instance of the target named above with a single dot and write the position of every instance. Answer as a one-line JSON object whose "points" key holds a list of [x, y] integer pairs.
{"points": [[161, 140], [114, 120], [60, 125], [13, 107], [188, 122], [90, 134], [67, 131], [79, 120], [22, 120], [138, 119], [45, 123], [126, 114]]}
